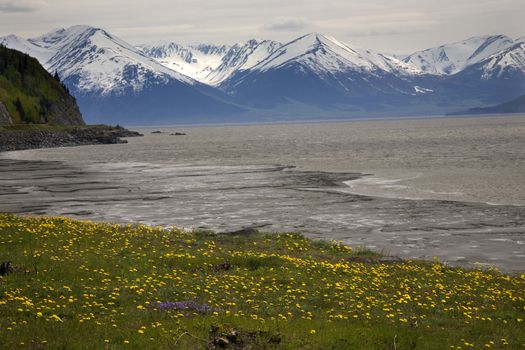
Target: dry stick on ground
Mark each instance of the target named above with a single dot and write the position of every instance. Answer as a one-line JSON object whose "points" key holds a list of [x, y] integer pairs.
{"points": [[395, 346], [191, 335]]}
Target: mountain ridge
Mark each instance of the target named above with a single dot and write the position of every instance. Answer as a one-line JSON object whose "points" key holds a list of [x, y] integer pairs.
{"points": [[516, 105], [114, 80], [452, 58], [105, 72]]}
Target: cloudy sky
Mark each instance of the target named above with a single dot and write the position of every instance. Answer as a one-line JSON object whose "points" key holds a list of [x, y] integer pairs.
{"points": [[396, 26]]}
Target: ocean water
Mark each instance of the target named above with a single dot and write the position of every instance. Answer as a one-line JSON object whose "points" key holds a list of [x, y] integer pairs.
{"points": [[447, 187]]}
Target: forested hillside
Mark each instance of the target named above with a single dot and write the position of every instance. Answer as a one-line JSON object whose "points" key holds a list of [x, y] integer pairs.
{"points": [[30, 95]]}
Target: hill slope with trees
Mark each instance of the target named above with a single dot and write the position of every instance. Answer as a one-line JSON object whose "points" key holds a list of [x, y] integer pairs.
{"points": [[30, 95]]}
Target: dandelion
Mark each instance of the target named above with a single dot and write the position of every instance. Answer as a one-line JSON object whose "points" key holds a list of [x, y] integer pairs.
{"points": [[55, 318], [294, 279]]}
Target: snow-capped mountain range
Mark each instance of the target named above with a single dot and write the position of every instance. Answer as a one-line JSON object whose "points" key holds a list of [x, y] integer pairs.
{"points": [[263, 77], [97, 61], [321, 69], [325, 54]]}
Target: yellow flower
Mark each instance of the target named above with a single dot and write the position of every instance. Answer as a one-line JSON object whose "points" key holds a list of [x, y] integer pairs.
{"points": [[55, 317], [312, 331]]}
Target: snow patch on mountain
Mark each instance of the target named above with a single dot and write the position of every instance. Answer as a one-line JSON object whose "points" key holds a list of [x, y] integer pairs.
{"points": [[422, 90]]}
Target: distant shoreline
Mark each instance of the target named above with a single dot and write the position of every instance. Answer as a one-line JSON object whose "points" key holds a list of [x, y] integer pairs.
{"points": [[329, 121]]}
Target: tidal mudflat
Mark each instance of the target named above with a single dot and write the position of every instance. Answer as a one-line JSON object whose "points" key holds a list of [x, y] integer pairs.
{"points": [[446, 188]]}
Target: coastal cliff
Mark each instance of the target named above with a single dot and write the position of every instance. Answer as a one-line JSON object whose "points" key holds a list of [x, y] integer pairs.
{"points": [[37, 110]]}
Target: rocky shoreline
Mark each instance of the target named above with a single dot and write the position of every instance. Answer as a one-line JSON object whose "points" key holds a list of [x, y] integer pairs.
{"points": [[12, 140]]}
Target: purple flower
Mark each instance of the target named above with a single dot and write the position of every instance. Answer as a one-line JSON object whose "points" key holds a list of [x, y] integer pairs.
{"points": [[184, 305]]}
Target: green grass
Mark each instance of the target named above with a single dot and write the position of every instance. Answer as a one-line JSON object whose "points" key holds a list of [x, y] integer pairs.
{"points": [[81, 285]]}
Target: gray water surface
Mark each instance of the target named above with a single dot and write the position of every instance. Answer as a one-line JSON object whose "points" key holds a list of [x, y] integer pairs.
{"points": [[343, 181]]}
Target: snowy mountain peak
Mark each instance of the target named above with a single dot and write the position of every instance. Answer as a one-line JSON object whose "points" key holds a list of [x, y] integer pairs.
{"points": [[314, 37], [211, 49], [489, 46], [10, 38], [76, 35], [324, 54], [91, 60], [50, 38], [62, 36], [102, 63], [165, 50], [12, 41], [209, 63], [17, 43], [452, 58], [308, 38], [241, 57], [253, 42], [316, 40], [507, 62], [196, 60]]}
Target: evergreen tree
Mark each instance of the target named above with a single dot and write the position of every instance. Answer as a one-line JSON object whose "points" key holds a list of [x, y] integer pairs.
{"points": [[20, 109]]}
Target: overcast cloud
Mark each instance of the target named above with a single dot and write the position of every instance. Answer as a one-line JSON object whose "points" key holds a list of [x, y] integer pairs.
{"points": [[10, 6], [397, 26]]}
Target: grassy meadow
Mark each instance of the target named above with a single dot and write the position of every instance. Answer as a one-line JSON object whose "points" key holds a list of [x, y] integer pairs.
{"points": [[84, 285]]}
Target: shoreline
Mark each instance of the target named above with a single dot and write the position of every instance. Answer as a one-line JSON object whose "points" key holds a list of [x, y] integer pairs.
{"points": [[331, 121], [13, 139], [221, 199]]}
